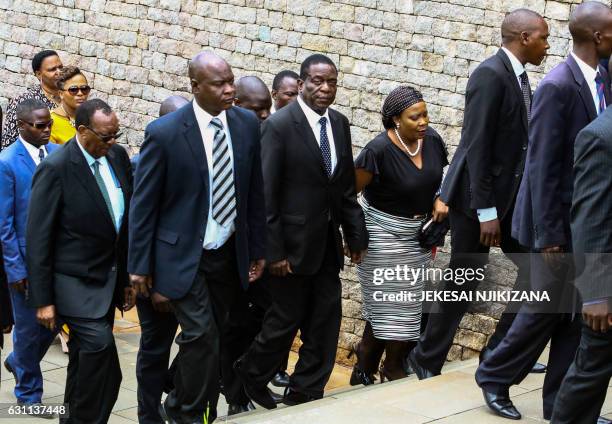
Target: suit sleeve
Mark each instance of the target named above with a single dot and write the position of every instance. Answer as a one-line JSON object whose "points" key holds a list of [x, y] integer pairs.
{"points": [[547, 132], [144, 207], [353, 221], [272, 160], [14, 262], [483, 98], [257, 207], [591, 214], [43, 215]]}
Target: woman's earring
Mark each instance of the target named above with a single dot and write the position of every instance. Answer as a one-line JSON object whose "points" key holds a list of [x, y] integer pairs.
{"points": [[397, 125]]}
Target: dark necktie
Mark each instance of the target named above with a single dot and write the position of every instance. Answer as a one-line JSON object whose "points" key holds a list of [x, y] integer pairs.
{"points": [[526, 90], [224, 195], [41, 154], [601, 97], [325, 150], [104, 191]]}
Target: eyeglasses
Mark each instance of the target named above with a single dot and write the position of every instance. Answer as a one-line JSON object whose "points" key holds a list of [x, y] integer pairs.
{"points": [[105, 138], [39, 125], [85, 89]]}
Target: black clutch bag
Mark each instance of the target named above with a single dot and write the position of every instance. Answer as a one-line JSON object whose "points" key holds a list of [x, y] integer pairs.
{"points": [[433, 233]]}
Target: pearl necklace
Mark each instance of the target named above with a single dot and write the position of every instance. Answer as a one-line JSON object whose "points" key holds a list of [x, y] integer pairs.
{"points": [[418, 149]]}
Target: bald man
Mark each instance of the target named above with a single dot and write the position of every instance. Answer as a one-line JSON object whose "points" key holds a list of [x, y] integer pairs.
{"points": [[484, 176], [572, 95], [197, 234], [252, 94]]}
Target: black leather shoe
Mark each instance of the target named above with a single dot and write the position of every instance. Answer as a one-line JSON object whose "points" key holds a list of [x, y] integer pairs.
{"points": [[604, 420], [259, 395], [293, 398], [538, 368], [281, 379], [421, 372], [233, 409], [11, 370], [358, 376], [278, 398], [501, 405]]}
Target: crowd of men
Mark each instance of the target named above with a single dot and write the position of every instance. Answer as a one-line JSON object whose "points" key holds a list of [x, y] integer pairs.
{"points": [[227, 224]]}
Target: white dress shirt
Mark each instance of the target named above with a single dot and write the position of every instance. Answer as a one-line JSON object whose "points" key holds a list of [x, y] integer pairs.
{"points": [[33, 151], [216, 235], [589, 75], [110, 182], [313, 120]]}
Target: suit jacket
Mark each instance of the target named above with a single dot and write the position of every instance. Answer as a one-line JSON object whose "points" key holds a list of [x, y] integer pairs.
{"points": [[562, 106], [171, 199], [591, 211], [300, 197], [6, 312], [16, 171], [76, 258], [487, 167]]}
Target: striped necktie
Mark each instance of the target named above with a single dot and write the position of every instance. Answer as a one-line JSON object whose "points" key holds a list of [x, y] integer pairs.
{"points": [[224, 195], [601, 97], [526, 90]]}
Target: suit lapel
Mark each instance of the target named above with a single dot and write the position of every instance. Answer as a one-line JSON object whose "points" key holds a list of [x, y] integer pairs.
{"points": [[193, 138], [583, 90], [514, 83], [307, 137], [25, 157], [607, 94], [82, 173], [339, 137], [119, 171], [235, 131]]}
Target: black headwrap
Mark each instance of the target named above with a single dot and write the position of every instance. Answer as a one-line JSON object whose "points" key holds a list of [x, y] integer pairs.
{"points": [[397, 101]]}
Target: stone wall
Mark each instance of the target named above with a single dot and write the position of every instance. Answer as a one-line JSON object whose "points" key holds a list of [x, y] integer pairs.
{"points": [[135, 53]]}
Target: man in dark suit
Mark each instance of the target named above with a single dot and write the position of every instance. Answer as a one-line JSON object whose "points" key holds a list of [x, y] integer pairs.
{"points": [[252, 94], [567, 99], [484, 176], [17, 165], [158, 327], [77, 255], [197, 229], [310, 191], [584, 387]]}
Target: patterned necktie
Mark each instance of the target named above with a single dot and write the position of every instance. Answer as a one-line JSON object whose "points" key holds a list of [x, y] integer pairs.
{"points": [[224, 195], [103, 190], [325, 150], [41, 154], [526, 90], [601, 98]]}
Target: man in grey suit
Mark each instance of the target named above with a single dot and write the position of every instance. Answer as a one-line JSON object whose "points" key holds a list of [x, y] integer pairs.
{"points": [[583, 390]]}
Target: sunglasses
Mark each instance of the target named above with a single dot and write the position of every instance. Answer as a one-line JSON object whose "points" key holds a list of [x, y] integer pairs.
{"points": [[39, 125], [85, 89], [105, 138]]}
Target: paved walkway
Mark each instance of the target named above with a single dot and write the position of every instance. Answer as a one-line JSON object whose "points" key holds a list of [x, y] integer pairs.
{"points": [[452, 398]]}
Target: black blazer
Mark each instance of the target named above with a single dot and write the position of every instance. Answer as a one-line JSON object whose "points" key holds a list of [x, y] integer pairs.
{"points": [[76, 259], [170, 207], [487, 167], [301, 198]]}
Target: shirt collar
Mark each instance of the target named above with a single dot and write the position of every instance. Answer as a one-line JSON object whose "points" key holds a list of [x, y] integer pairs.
{"points": [[588, 72], [89, 158], [204, 117], [32, 149], [312, 116], [517, 66]]}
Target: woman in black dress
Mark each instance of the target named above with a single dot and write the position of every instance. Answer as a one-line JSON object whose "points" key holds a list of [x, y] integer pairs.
{"points": [[400, 172]]}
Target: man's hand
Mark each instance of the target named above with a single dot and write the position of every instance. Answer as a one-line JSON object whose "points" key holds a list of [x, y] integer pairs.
{"points": [[129, 298], [280, 268], [256, 269], [490, 233], [440, 210], [357, 257], [598, 316], [553, 256], [160, 302], [141, 284], [20, 286], [46, 316]]}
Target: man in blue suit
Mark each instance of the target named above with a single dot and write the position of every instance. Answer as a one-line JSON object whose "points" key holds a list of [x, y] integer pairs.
{"points": [[568, 99], [197, 230], [17, 165]]}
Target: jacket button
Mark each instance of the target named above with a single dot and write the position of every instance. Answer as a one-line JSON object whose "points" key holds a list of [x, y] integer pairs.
{"points": [[113, 269], [517, 175], [524, 147]]}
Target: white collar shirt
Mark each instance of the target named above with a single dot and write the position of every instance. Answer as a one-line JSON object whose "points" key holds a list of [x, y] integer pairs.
{"points": [[589, 75], [313, 121], [34, 151]]}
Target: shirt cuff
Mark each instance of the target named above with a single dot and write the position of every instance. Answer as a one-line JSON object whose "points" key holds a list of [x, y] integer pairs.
{"points": [[488, 214], [595, 301]]}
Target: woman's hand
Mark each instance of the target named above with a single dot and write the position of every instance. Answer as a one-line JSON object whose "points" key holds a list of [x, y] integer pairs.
{"points": [[440, 210]]}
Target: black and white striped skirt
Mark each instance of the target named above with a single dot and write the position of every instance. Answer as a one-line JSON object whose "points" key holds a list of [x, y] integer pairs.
{"points": [[391, 301]]}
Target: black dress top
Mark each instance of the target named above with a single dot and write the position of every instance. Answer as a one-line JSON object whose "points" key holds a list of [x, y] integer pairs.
{"points": [[398, 187]]}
